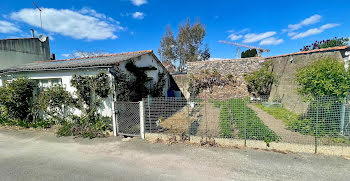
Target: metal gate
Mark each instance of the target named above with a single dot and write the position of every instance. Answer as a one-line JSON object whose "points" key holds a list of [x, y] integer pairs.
{"points": [[128, 118]]}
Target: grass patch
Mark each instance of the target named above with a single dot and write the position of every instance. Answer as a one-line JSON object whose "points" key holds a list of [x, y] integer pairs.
{"points": [[281, 113], [236, 114], [305, 125]]}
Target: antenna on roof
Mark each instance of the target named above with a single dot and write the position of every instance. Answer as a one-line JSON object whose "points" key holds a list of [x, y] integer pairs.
{"points": [[41, 22]]}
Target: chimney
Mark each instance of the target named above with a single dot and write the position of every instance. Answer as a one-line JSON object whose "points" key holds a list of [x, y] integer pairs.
{"points": [[32, 33], [53, 56]]}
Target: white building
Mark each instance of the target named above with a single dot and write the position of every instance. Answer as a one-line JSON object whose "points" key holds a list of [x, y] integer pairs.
{"points": [[61, 72]]}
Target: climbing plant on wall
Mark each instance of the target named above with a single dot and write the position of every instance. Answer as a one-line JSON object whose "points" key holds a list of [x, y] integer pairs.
{"points": [[259, 82], [137, 84], [206, 80]]}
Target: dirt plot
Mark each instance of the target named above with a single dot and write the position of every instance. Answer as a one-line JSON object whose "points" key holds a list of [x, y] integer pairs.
{"points": [[201, 120]]}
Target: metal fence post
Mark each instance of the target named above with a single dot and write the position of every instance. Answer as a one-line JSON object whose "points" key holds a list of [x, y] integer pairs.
{"points": [[342, 119], [316, 128], [114, 119], [206, 117], [245, 122], [149, 113], [142, 119]]}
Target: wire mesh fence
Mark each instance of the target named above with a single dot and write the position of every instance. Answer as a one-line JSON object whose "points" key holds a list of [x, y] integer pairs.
{"points": [[128, 116], [325, 120]]}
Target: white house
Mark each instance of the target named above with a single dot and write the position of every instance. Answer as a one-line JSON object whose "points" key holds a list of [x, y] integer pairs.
{"points": [[61, 72]]}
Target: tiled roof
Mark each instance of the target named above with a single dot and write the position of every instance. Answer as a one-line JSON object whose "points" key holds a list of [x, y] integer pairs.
{"points": [[88, 62], [312, 51]]}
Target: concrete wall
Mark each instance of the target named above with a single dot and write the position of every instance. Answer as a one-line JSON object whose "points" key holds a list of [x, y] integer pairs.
{"points": [[285, 69], [236, 67], [20, 51], [182, 82]]}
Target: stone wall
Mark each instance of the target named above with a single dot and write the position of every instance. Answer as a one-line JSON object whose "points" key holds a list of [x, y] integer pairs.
{"points": [[285, 67], [235, 67]]}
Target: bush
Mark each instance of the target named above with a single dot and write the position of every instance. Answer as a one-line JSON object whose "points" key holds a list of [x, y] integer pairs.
{"points": [[17, 97], [325, 77], [65, 130], [56, 103], [306, 124], [326, 44], [260, 82]]}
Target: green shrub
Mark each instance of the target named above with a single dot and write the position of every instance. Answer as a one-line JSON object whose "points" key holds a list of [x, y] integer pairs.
{"points": [[325, 77], [17, 96], [260, 81], [65, 130], [56, 103], [306, 124]]}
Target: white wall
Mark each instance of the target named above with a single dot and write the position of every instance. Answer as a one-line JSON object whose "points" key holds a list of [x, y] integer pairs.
{"points": [[66, 76]]}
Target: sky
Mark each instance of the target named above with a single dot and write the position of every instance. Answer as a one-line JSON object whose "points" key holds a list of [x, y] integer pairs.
{"points": [[117, 26]]}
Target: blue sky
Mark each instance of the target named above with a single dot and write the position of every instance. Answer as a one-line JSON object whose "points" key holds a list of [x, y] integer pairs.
{"points": [[131, 25]]}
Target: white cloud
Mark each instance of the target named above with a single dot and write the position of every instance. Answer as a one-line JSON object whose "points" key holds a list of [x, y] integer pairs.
{"points": [[234, 37], [138, 15], [84, 54], [292, 33], [308, 21], [271, 41], [92, 12], [212, 59], [252, 37], [66, 55], [314, 31], [83, 24], [138, 2], [7, 27]]}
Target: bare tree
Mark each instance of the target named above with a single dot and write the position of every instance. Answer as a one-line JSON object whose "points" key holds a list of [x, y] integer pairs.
{"points": [[85, 54]]}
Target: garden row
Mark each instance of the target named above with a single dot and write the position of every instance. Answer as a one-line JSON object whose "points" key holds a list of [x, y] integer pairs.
{"points": [[237, 119]]}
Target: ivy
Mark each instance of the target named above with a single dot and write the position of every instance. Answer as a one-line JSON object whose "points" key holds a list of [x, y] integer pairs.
{"points": [[90, 91], [88, 87], [159, 86], [136, 85]]}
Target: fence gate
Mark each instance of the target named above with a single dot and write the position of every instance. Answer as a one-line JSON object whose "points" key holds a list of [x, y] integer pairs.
{"points": [[128, 118]]}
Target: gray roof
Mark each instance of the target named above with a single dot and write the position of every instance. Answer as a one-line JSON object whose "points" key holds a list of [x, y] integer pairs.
{"points": [[98, 61]]}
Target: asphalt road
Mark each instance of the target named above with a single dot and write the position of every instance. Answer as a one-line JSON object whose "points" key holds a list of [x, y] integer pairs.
{"points": [[36, 155]]}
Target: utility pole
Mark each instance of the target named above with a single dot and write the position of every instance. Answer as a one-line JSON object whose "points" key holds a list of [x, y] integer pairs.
{"points": [[41, 22]]}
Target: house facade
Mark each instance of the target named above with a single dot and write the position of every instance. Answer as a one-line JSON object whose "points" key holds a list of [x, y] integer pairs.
{"points": [[49, 73]]}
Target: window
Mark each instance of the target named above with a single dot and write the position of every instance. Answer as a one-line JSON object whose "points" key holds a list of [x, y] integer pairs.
{"points": [[45, 83]]}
